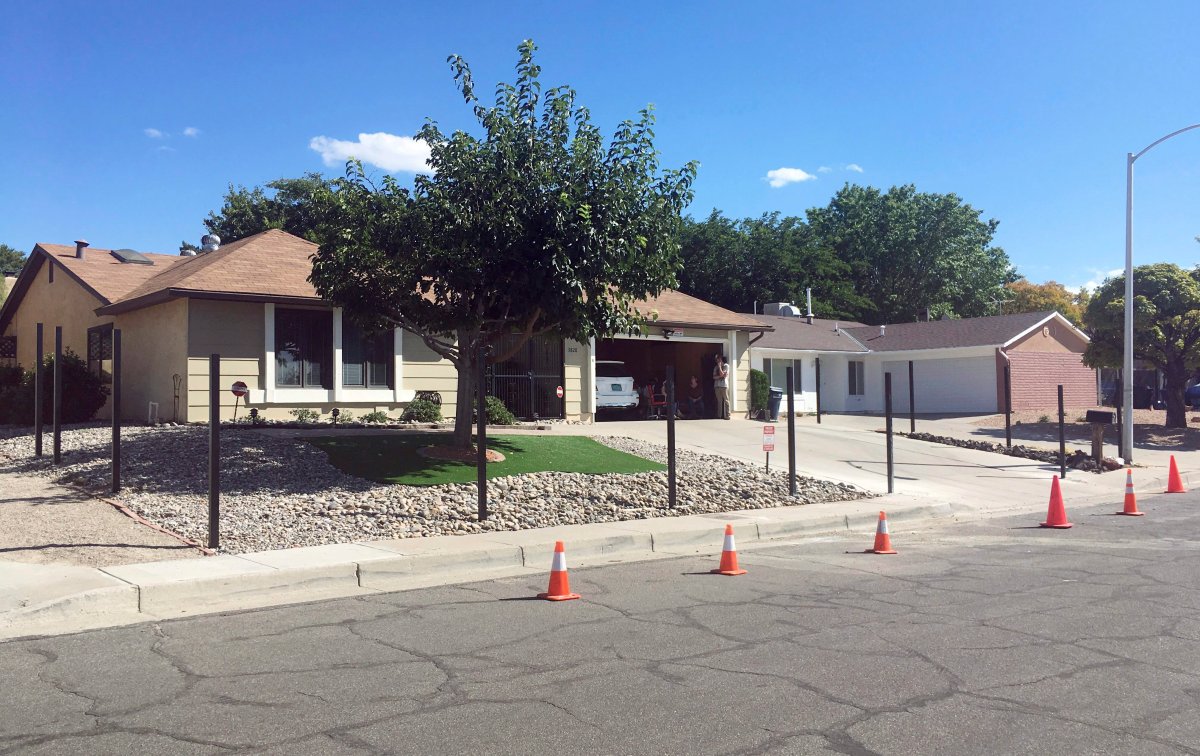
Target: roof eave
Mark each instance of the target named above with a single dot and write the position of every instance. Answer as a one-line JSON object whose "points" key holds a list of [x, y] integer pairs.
{"points": [[165, 295]]}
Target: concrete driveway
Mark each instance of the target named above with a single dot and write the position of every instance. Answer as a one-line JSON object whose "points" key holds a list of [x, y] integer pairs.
{"points": [[848, 449]]}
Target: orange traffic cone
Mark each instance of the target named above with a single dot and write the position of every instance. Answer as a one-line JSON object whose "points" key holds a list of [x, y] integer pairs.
{"points": [[1130, 498], [1174, 482], [728, 556], [560, 586], [883, 541], [1056, 517]]}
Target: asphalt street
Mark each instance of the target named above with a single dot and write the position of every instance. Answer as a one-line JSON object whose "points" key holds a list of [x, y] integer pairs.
{"points": [[980, 637]]}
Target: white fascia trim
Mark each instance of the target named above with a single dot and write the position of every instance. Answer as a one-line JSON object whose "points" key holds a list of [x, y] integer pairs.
{"points": [[696, 339], [942, 353], [302, 396], [1052, 316]]}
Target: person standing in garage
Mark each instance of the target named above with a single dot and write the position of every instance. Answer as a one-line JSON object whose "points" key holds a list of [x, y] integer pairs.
{"points": [[721, 386]]}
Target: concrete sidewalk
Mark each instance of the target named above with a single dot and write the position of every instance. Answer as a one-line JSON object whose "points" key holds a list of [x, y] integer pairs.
{"points": [[56, 599]]}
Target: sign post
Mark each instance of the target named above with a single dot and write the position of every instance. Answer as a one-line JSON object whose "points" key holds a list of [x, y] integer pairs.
{"points": [[671, 481], [768, 443], [240, 390]]}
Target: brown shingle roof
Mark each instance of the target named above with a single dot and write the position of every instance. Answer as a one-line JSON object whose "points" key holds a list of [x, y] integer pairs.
{"points": [[104, 275], [995, 330], [676, 309], [796, 333], [272, 264]]}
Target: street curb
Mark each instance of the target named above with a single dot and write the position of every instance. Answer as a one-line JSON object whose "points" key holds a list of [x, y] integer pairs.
{"points": [[186, 587]]}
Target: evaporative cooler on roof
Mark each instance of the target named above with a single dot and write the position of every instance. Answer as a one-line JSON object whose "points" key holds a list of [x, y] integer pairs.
{"points": [[132, 257]]}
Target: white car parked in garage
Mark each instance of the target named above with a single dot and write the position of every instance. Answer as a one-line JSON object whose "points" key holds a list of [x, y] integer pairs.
{"points": [[614, 387]]}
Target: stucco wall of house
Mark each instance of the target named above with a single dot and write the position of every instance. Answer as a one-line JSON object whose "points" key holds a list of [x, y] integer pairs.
{"points": [[426, 370], [233, 330], [153, 350], [62, 303]]}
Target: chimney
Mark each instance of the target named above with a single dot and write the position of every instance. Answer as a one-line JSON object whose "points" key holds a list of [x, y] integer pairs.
{"points": [[882, 331], [80, 245], [808, 293]]}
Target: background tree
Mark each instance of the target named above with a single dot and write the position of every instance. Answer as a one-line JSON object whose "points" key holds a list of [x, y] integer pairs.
{"points": [[288, 204], [1024, 296], [908, 251], [11, 259], [533, 227], [1166, 327]]}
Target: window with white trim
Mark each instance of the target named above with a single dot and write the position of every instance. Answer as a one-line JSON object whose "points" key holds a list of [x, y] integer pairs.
{"points": [[776, 370], [366, 357], [858, 381], [303, 348]]}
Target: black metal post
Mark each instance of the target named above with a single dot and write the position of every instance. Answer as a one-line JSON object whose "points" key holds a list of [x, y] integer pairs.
{"points": [[481, 433], [1120, 415], [38, 394], [791, 410], [57, 418], [671, 491], [1062, 437], [887, 411], [818, 360], [116, 412], [1007, 407], [912, 400], [214, 451], [532, 396]]}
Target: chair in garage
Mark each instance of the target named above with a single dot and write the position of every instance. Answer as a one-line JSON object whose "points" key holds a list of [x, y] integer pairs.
{"points": [[656, 393]]}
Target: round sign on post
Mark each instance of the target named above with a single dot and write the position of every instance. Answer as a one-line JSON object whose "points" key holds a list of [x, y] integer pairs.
{"points": [[239, 389], [560, 392]]}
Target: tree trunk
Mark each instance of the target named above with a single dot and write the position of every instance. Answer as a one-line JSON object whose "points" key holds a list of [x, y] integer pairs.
{"points": [[1173, 390], [463, 414]]}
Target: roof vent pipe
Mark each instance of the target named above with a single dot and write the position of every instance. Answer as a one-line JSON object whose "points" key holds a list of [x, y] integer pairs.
{"points": [[808, 294], [882, 331], [80, 245], [210, 243]]}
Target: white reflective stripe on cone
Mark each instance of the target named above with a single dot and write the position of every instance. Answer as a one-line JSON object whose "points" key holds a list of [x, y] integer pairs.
{"points": [[729, 543], [560, 562], [882, 526]]}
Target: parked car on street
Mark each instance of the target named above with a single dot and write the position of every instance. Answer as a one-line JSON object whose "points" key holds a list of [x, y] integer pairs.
{"points": [[1191, 397], [615, 391]]}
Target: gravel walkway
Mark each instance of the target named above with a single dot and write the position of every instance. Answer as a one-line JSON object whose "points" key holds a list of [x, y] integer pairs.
{"points": [[279, 492]]}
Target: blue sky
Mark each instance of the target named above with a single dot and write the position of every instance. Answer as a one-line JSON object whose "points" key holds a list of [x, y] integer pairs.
{"points": [[124, 123]]}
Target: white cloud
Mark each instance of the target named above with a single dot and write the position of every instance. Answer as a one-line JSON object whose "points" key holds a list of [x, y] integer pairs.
{"points": [[824, 169], [1098, 277], [153, 133], [164, 148], [387, 151], [784, 176], [191, 131], [854, 167]]}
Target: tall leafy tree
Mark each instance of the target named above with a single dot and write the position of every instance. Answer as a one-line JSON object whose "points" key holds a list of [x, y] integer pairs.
{"points": [[11, 259], [1166, 327], [909, 250], [290, 204], [1025, 296], [532, 226]]}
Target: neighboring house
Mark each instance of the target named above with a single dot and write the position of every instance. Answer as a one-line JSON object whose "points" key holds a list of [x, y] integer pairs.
{"points": [[958, 365], [251, 303]]}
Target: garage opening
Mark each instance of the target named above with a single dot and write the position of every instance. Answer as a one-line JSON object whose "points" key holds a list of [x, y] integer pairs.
{"points": [[647, 361]]}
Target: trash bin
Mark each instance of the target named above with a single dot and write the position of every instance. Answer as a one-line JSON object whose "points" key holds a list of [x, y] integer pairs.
{"points": [[773, 403]]}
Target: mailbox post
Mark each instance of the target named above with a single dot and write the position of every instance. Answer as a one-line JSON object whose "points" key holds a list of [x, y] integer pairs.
{"points": [[1098, 419]]}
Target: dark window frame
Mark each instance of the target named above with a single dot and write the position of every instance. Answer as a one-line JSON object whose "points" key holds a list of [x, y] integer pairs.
{"points": [[373, 350], [857, 377], [97, 350], [797, 372], [314, 338]]}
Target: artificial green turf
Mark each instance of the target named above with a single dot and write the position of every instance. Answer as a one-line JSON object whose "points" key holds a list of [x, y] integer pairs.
{"points": [[394, 459]]}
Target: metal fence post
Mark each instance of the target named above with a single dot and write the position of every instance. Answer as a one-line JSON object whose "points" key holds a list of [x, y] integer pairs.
{"points": [[791, 410], [1062, 438], [214, 451], [57, 419], [1007, 407], [39, 394], [116, 412], [912, 400], [887, 411], [481, 434], [818, 360], [671, 490]]}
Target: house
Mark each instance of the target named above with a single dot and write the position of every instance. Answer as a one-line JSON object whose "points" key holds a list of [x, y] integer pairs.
{"points": [[957, 365], [251, 303]]}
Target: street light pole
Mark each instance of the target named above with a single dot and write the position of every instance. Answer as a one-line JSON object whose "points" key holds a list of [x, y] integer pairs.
{"points": [[1127, 363]]}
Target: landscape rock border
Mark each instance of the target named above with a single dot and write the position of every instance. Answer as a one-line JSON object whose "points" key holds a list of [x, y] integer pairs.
{"points": [[1076, 459]]}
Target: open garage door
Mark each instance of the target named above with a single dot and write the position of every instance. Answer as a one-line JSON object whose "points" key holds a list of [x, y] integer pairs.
{"points": [[647, 360]]}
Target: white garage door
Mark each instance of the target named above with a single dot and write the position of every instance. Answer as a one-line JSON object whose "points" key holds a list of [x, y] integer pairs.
{"points": [[952, 385]]}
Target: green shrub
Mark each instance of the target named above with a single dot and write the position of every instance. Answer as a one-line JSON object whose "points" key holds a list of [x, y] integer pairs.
{"points": [[1044, 419], [344, 416], [760, 387], [83, 393], [376, 417], [422, 411], [495, 412], [305, 415]]}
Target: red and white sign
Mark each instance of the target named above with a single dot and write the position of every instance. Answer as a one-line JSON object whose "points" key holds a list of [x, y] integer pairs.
{"points": [[239, 389], [560, 392], [768, 438]]}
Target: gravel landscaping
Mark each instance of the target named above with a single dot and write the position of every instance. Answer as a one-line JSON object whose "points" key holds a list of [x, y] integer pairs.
{"points": [[279, 492]]}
